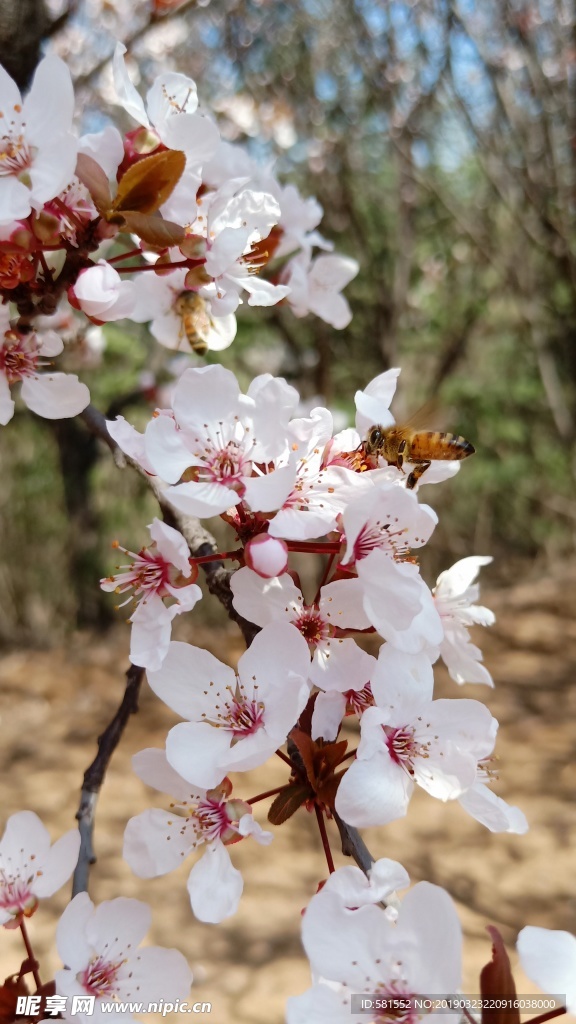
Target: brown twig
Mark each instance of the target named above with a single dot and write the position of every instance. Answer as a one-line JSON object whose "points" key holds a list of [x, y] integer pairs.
{"points": [[94, 776]]}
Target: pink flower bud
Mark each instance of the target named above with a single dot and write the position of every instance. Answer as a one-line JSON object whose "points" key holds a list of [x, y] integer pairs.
{"points": [[268, 556]]}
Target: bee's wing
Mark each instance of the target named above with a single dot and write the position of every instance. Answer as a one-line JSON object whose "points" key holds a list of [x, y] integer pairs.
{"points": [[427, 417]]}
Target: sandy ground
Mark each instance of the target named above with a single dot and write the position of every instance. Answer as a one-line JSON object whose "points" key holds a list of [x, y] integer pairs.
{"points": [[53, 705]]}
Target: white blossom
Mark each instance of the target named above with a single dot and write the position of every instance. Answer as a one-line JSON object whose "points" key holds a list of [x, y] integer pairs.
{"points": [[413, 740], [100, 947], [52, 395], [235, 720], [314, 286], [337, 663], [362, 952], [103, 295], [156, 841], [170, 111], [37, 147], [30, 868], [157, 572], [455, 595]]}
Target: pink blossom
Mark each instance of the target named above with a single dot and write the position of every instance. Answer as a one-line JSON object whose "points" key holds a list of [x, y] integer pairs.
{"points": [[267, 556], [222, 438], [234, 222], [318, 494], [436, 744]]}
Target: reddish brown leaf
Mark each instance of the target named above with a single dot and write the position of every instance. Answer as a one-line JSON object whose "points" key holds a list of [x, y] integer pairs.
{"points": [[9, 992], [94, 178], [334, 752], [152, 229], [149, 182], [496, 981], [287, 803], [306, 748], [326, 792]]}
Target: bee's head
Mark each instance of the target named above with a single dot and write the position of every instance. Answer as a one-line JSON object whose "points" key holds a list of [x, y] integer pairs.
{"points": [[374, 439]]}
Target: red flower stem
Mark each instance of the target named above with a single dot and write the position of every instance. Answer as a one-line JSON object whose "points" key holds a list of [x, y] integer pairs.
{"points": [[125, 255], [183, 265], [30, 955], [216, 557], [324, 837], [262, 796], [547, 1016], [284, 757], [314, 546], [47, 272]]}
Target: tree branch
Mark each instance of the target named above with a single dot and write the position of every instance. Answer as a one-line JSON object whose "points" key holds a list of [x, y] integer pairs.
{"points": [[94, 776]]}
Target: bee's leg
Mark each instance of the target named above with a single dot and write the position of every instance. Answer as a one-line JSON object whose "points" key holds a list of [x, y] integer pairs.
{"points": [[400, 455], [416, 473]]}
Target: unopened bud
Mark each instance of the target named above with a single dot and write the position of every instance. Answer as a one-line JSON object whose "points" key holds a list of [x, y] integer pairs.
{"points": [[266, 555]]}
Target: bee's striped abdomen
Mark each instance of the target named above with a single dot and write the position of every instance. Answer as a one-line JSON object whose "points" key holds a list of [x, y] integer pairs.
{"points": [[435, 444]]}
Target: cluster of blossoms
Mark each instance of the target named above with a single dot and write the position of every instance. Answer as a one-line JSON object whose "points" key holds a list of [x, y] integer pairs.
{"points": [[364, 943], [284, 482], [207, 228], [362, 939], [100, 947]]}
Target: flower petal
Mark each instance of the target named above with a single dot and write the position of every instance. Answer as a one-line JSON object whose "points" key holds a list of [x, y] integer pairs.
{"points": [[373, 792], [156, 842], [215, 886], [152, 767], [186, 672], [56, 396], [549, 959]]}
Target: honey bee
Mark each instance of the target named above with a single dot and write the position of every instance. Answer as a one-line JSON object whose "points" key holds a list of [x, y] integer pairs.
{"points": [[196, 321], [400, 444]]}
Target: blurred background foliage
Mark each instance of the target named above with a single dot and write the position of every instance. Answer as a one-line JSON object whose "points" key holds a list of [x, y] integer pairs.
{"points": [[440, 138]]}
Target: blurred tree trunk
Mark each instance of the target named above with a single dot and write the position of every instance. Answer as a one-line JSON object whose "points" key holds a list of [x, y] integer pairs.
{"points": [[78, 453], [23, 25]]}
